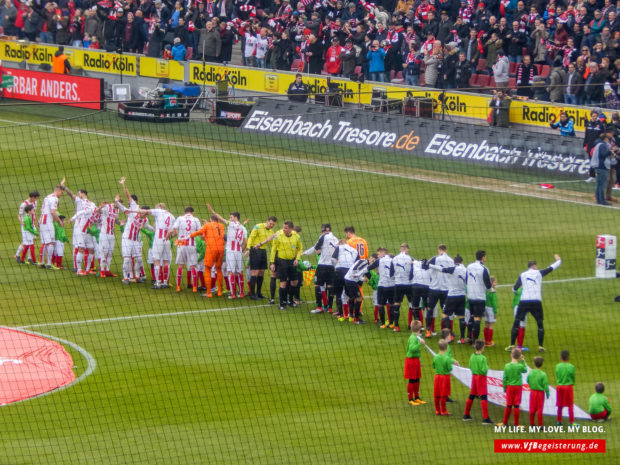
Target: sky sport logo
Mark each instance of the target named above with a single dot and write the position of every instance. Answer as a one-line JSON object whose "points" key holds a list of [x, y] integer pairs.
{"points": [[341, 131]]}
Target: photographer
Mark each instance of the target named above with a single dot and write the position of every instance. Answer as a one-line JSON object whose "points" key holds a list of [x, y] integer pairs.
{"points": [[297, 91], [500, 106], [603, 158]]}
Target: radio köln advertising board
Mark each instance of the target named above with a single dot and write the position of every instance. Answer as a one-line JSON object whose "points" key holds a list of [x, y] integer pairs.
{"points": [[408, 135], [38, 86]]}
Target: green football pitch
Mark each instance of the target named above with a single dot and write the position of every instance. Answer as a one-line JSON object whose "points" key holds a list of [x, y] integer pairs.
{"points": [[176, 378]]}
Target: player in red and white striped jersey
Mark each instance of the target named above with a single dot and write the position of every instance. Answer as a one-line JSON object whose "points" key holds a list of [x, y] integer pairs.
{"points": [[32, 201], [109, 217], [131, 245], [49, 214], [236, 240], [187, 256], [81, 200], [162, 255], [84, 242]]}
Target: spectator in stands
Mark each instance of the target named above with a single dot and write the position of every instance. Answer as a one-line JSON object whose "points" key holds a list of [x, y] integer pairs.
{"points": [[593, 88], [557, 81], [9, 14], [32, 24], [538, 39], [515, 41], [298, 91], [130, 34], [156, 41], [492, 47], [376, 66], [262, 44], [92, 23], [500, 107], [210, 43], [414, 62], [332, 58], [62, 27], [501, 70], [227, 37], [565, 124], [471, 50], [178, 50], [348, 58], [574, 85], [450, 61], [463, 72], [431, 62], [526, 72], [315, 55]]}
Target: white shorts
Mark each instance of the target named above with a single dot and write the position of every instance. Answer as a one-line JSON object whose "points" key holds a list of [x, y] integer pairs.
{"points": [[131, 249], [375, 297], [106, 243], [83, 240], [59, 248], [27, 238], [187, 255], [489, 315], [200, 266], [161, 250], [97, 247], [75, 236], [46, 234], [234, 261], [149, 256]]}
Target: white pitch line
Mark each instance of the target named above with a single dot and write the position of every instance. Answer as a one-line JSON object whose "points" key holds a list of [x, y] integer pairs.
{"points": [[211, 310], [91, 363], [138, 317], [309, 163]]}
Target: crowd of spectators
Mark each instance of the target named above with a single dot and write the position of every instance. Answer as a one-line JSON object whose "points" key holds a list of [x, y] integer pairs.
{"points": [[555, 50]]}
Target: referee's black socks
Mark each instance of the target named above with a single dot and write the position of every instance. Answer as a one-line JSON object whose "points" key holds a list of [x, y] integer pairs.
{"points": [[252, 285], [283, 296], [272, 288], [259, 285]]}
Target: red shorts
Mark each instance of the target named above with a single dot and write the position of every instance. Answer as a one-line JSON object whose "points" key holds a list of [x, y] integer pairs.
{"points": [[478, 385], [513, 395], [442, 386], [537, 401], [412, 368], [565, 396], [600, 416]]}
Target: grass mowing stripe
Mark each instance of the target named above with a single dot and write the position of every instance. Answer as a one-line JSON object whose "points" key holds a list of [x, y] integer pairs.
{"points": [[318, 164]]}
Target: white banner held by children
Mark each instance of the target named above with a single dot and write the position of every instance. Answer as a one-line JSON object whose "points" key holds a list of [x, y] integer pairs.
{"points": [[497, 396]]}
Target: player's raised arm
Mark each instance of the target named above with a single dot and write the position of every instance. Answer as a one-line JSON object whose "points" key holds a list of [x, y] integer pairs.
{"points": [[213, 212], [554, 266], [119, 204], [127, 193]]}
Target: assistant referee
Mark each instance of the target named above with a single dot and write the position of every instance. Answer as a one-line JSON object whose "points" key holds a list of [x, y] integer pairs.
{"points": [[258, 255], [287, 247]]}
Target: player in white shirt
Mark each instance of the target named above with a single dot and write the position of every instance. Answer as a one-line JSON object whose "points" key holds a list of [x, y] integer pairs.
{"points": [[109, 217], [236, 240], [31, 200], [385, 287], [326, 245], [420, 283], [131, 245], [438, 288], [402, 271], [47, 235], [343, 258], [186, 246], [161, 252], [455, 300]]}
